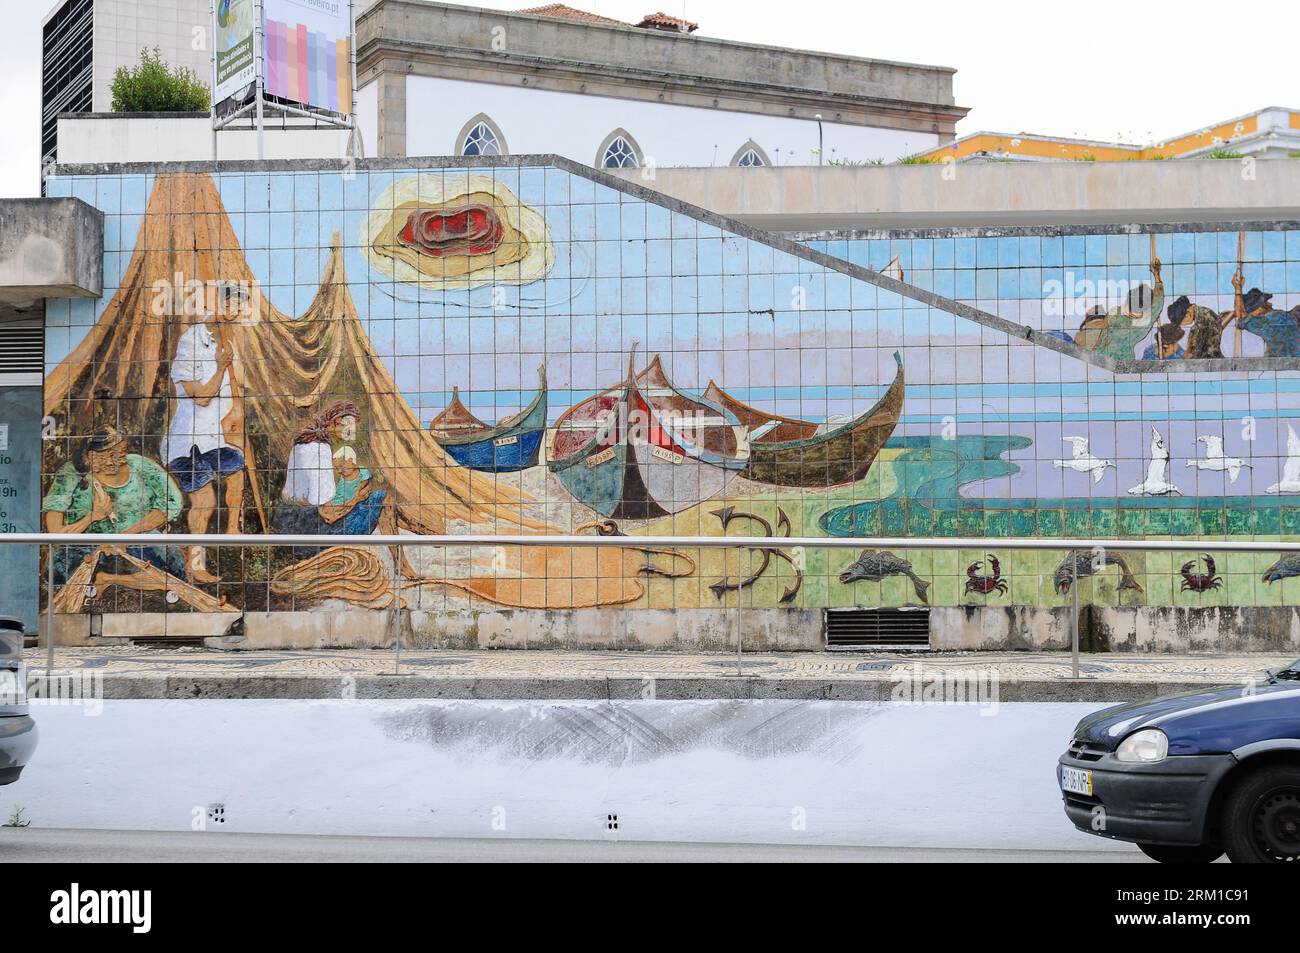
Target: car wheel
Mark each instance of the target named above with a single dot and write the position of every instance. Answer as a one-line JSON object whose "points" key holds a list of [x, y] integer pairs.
{"points": [[1261, 818], [1166, 854]]}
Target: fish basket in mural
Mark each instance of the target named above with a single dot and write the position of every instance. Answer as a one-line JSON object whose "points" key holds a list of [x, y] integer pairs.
{"points": [[298, 352]]}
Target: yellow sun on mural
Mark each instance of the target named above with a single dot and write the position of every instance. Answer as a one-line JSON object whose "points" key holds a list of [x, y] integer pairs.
{"points": [[456, 233]]}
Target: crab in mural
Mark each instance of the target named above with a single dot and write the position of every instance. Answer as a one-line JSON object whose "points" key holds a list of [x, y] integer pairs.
{"points": [[1200, 582], [985, 584]]}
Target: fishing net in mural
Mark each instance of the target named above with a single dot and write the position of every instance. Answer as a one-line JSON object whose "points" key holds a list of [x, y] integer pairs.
{"points": [[288, 371]]}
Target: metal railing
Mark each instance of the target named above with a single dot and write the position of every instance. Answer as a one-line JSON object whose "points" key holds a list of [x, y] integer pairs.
{"points": [[402, 541]]}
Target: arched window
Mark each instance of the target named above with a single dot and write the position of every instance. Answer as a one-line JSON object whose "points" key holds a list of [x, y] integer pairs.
{"points": [[750, 156], [481, 137], [619, 151]]}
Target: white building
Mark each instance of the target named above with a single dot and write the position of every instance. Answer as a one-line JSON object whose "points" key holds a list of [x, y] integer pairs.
{"points": [[442, 79]]}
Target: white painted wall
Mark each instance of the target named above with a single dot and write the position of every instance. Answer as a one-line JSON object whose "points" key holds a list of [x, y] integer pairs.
{"points": [[146, 139], [574, 125]]}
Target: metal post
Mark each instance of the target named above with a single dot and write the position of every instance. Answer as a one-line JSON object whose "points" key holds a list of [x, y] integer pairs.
{"points": [[49, 610], [820, 139], [1074, 618], [740, 631], [212, 105], [259, 57], [397, 610]]}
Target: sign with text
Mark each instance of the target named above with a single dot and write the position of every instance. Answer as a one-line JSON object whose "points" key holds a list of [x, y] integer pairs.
{"points": [[308, 52], [236, 22]]}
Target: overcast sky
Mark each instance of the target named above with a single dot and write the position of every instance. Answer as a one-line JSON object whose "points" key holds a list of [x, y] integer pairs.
{"points": [[1137, 70]]}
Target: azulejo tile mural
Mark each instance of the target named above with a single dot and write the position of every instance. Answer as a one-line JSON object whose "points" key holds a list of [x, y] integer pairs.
{"points": [[499, 347]]}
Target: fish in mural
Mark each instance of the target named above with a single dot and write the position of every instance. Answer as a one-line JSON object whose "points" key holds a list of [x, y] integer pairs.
{"points": [[875, 565], [1080, 563], [644, 449], [1157, 478], [1287, 565], [826, 457], [513, 444], [985, 584], [1200, 581], [1083, 460], [1214, 459], [1290, 482], [447, 232]]}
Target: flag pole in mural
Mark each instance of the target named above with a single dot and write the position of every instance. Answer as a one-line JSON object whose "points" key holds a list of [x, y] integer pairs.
{"points": [[283, 57]]}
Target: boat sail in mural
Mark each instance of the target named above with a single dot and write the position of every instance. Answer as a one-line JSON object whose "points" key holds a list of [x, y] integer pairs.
{"points": [[790, 452], [644, 449], [513, 444]]}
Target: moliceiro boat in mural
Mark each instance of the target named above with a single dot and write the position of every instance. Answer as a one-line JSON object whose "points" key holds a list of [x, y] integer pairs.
{"points": [[644, 449], [513, 444], [789, 452]]}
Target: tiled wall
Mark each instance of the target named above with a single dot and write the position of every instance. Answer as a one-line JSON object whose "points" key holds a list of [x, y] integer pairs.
{"points": [[402, 289]]}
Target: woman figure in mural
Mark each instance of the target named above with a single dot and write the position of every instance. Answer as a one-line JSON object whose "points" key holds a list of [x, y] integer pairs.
{"points": [[104, 489], [327, 493], [204, 414], [1117, 332]]}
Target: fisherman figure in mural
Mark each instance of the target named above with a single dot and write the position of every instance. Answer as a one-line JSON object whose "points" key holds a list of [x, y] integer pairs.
{"points": [[1117, 332], [1280, 330], [205, 414], [104, 489], [327, 493]]}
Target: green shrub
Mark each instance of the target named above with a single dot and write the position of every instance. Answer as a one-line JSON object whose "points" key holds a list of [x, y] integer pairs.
{"points": [[152, 86]]}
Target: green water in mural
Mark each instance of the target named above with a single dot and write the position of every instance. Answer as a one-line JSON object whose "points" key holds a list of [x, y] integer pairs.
{"points": [[930, 471]]}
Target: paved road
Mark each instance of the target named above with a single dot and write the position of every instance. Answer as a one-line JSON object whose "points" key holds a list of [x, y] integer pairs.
{"points": [[90, 846]]}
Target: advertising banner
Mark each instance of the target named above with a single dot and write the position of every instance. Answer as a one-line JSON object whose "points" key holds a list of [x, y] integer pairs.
{"points": [[308, 47], [235, 26]]}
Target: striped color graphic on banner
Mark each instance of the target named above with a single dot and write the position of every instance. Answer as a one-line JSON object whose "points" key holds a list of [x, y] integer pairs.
{"points": [[308, 67]]}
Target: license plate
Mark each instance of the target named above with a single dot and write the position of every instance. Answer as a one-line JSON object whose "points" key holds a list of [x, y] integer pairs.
{"points": [[1076, 780]]}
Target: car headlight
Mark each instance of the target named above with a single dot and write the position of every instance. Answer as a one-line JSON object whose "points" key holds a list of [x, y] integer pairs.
{"points": [[13, 686], [1148, 745]]}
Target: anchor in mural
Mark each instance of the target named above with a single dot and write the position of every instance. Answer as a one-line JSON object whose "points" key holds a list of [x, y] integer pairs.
{"points": [[1081, 563], [875, 565], [1197, 581], [724, 585]]}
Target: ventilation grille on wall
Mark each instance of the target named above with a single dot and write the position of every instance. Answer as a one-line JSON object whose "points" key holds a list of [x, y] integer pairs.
{"points": [[869, 628], [22, 349]]}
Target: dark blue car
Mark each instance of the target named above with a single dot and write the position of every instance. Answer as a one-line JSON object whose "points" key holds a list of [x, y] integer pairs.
{"points": [[1190, 777]]}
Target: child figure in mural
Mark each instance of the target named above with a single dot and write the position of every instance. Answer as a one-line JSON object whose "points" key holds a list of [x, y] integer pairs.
{"points": [[326, 492], [1117, 332], [104, 489], [204, 413], [1168, 343]]}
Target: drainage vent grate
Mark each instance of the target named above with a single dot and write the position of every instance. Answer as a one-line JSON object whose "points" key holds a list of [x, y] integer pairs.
{"points": [[22, 348], [868, 628]]}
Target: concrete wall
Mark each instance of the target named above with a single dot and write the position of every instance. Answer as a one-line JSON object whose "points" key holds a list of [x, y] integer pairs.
{"points": [[98, 137], [970, 195], [179, 29], [49, 248]]}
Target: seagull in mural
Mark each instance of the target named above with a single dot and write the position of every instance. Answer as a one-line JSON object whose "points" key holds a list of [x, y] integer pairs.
{"points": [[1291, 469], [1083, 460], [1215, 460], [1157, 481]]}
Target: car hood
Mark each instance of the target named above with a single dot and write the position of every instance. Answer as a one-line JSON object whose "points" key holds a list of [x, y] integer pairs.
{"points": [[1208, 721]]}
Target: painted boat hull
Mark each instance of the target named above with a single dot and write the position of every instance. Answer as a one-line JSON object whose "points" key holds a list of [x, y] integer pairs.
{"points": [[512, 445], [844, 455], [624, 474]]}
